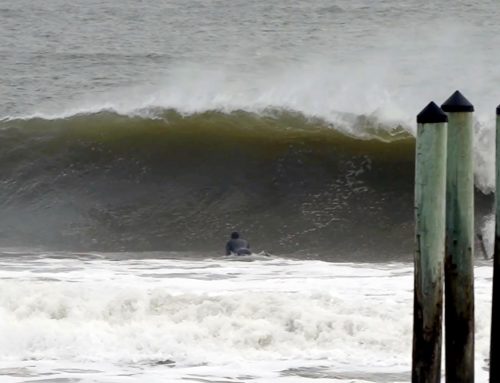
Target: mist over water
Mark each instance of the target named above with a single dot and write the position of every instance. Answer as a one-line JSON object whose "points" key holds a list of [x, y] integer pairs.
{"points": [[351, 56]]}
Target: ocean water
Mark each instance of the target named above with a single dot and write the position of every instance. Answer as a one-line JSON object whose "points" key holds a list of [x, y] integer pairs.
{"points": [[170, 317], [134, 136]]}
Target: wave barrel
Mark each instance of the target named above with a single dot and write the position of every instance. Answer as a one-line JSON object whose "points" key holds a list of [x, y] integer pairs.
{"points": [[495, 310], [459, 254], [430, 196]]}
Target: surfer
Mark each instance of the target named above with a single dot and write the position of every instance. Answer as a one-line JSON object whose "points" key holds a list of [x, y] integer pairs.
{"points": [[237, 245]]}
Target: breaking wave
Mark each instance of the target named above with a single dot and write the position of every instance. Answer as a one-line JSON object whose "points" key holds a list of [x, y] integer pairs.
{"points": [[162, 180]]}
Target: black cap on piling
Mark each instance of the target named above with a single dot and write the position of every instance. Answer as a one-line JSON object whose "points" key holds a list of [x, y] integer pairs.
{"points": [[457, 103], [498, 110], [431, 114]]}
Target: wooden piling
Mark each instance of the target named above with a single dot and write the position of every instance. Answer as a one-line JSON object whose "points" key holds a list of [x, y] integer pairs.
{"points": [[430, 196], [459, 272], [495, 309]]}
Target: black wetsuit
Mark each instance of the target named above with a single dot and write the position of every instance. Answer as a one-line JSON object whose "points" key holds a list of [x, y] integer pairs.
{"points": [[238, 246]]}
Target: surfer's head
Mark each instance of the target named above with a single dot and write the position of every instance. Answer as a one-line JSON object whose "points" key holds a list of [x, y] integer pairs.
{"points": [[235, 235]]}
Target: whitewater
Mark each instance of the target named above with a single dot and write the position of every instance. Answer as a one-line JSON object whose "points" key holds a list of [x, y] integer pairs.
{"points": [[165, 317]]}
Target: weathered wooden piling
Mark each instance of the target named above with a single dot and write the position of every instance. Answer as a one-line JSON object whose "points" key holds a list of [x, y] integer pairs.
{"points": [[495, 309], [430, 196], [459, 273]]}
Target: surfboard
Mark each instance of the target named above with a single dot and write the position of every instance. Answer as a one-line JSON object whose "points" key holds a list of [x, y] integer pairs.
{"points": [[249, 257]]}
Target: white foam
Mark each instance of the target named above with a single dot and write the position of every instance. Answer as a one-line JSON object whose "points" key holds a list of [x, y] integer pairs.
{"points": [[220, 314]]}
